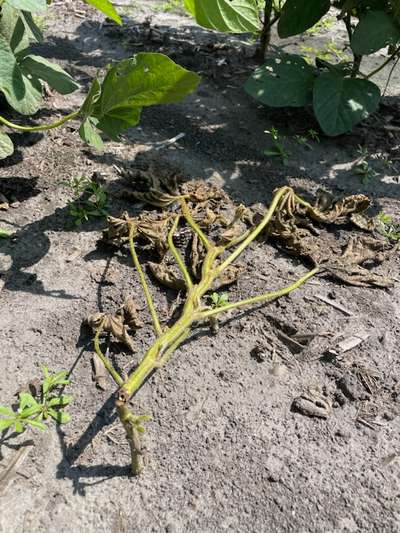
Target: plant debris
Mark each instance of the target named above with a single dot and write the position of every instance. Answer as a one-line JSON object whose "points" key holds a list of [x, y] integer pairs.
{"points": [[293, 227], [127, 317], [313, 403]]}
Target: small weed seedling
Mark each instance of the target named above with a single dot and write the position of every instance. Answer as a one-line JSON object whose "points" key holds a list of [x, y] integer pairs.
{"points": [[314, 135], [219, 299], [388, 228], [302, 140], [279, 149], [33, 411], [90, 202], [4, 234], [365, 172]]}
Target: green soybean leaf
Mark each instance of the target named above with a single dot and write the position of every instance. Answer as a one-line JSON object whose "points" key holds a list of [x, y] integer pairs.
{"points": [[230, 16], [6, 147], [34, 30], [282, 81], [374, 31], [91, 98], [340, 103], [299, 15], [89, 134], [26, 95], [34, 6], [7, 64], [22, 93], [55, 76], [144, 80], [107, 8], [6, 423]]}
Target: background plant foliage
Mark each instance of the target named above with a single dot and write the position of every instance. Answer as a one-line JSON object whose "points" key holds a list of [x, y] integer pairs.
{"points": [[114, 102], [340, 93]]}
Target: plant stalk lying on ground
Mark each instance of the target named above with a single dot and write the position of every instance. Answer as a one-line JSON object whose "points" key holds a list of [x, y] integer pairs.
{"points": [[194, 311]]}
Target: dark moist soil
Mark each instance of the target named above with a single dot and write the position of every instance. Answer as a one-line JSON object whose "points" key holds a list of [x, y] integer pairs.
{"points": [[225, 449]]}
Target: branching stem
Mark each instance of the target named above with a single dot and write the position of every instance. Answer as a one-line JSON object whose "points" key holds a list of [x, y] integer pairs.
{"points": [[106, 362], [253, 234], [177, 255], [146, 290], [196, 228], [269, 296]]}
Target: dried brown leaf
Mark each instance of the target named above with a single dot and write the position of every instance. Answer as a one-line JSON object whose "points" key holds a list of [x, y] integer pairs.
{"points": [[166, 275], [131, 314], [228, 276], [356, 203], [113, 324]]}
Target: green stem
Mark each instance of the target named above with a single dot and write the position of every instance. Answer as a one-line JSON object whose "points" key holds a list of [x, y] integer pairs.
{"points": [[39, 128], [273, 295], [177, 255], [196, 228], [277, 197], [388, 60], [147, 294], [106, 362]]}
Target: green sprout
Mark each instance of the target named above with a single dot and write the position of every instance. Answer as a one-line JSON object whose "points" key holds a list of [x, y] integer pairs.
{"points": [[279, 149], [4, 233], [90, 202], [387, 227], [33, 411], [219, 299], [365, 172]]}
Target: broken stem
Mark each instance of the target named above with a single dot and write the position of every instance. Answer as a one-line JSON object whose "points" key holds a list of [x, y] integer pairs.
{"points": [[146, 290], [106, 362], [273, 295], [257, 230], [177, 255], [132, 436]]}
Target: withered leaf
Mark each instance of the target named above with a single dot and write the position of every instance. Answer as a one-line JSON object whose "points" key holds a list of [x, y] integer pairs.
{"points": [[100, 373], [113, 324], [117, 230], [166, 275], [156, 197], [131, 314], [356, 203], [228, 276], [197, 254], [363, 222]]}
